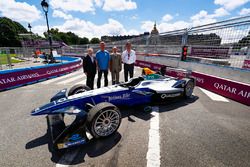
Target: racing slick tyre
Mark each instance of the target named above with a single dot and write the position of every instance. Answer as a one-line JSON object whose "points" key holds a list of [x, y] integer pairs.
{"points": [[188, 88], [79, 88], [103, 120]]}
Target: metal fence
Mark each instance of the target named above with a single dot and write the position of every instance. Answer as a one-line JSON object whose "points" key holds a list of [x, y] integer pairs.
{"points": [[225, 43]]}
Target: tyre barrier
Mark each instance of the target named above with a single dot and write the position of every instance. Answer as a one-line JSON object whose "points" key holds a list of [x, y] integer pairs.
{"points": [[236, 91], [10, 79]]}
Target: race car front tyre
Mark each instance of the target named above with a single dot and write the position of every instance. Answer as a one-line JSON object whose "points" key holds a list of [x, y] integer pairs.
{"points": [[103, 120], [79, 88], [189, 88]]}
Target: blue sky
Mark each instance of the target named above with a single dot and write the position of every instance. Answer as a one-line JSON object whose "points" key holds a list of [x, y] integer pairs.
{"points": [[94, 18]]}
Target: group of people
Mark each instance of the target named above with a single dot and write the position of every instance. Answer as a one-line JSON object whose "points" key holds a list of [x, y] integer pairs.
{"points": [[103, 62]]}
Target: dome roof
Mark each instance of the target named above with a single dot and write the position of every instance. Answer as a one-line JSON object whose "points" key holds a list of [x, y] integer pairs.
{"points": [[154, 31]]}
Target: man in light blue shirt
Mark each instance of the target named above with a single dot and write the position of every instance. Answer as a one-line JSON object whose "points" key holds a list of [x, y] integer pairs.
{"points": [[102, 59]]}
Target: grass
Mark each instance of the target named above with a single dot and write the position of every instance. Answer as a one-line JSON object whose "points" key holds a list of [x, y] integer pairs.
{"points": [[4, 59]]}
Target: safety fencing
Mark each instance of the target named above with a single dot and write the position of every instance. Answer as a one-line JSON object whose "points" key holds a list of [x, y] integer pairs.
{"points": [[18, 77], [231, 89], [225, 43]]}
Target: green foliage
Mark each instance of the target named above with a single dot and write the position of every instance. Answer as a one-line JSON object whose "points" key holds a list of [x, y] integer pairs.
{"points": [[9, 31], [245, 41], [69, 38], [95, 40]]}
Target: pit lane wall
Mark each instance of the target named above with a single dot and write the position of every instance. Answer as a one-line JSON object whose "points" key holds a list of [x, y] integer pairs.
{"points": [[231, 89], [18, 77]]}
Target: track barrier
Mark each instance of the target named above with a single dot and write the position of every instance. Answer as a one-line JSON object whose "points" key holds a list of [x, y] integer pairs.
{"points": [[237, 91], [23, 76]]}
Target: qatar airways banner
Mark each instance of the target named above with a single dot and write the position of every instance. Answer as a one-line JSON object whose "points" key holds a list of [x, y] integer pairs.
{"points": [[234, 90], [231, 89], [246, 64], [210, 52], [18, 77]]}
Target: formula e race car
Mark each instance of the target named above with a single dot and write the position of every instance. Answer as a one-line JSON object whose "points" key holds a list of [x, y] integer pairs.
{"points": [[97, 110]]}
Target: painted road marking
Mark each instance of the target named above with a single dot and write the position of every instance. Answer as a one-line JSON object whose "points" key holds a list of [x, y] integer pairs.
{"points": [[80, 76], [153, 154], [213, 96], [62, 77]]}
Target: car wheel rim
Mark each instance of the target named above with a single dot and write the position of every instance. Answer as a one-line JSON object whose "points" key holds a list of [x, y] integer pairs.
{"points": [[189, 89], [107, 123]]}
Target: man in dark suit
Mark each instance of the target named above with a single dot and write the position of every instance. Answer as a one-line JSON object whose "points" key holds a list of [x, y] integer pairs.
{"points": [[89, 68]]}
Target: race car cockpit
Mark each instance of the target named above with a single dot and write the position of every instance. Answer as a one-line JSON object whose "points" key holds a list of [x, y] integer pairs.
{"points": [[133, 82]]}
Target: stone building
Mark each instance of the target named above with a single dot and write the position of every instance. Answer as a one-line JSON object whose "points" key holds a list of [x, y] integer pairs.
{"points": [[155, 38]]}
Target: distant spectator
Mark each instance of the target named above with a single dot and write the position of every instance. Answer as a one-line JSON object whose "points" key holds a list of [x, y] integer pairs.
{"points": [[102, 59], [115, 65], [128, 58], [89, 68]]}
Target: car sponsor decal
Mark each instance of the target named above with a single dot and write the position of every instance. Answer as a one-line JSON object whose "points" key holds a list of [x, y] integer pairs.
{"points": [[163, 96], [70, 144], [125, 96], [75, 137]]}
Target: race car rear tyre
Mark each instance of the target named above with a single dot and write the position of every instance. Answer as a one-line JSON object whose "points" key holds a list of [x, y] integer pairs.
{"points": [[103, 120], [79, 88], [189, 88]]}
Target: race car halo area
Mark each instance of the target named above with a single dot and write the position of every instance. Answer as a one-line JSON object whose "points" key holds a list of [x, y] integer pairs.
{"points": [[204, 129]]}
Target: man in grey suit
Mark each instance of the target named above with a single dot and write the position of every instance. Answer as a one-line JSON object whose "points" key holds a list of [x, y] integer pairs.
{"points": [[115, 65]]}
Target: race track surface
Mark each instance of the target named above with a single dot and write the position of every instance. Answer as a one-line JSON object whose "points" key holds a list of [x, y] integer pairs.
{"points": [[205, 130]]}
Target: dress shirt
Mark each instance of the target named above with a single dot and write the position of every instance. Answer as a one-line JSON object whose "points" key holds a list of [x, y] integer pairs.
{"points": [[128, 58]]}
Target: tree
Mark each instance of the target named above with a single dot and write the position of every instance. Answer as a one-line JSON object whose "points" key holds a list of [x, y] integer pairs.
{"points": [[84, 41], [95, 40], [9, 31]]}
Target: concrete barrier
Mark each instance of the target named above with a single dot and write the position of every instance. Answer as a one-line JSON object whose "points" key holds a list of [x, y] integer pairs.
{"points": [[231, 89], [18, 77]]}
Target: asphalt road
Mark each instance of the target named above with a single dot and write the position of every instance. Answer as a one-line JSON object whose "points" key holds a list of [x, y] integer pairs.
{"points": [[205, 130]]}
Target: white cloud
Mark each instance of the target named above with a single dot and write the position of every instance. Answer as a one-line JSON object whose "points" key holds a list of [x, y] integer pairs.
{"points": [[75, 5], [60, 14], [88, 29], [99, 3], [19, 11], [39, 29], [147, 25], [202, 18], [230, 4], [244, 11], [164, 27], [167, 18], [132, 32], [220, 12], [119, 5]]}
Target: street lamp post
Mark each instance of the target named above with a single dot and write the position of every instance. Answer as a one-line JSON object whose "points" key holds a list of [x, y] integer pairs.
{"points": [[45, 6], [29, 26]]}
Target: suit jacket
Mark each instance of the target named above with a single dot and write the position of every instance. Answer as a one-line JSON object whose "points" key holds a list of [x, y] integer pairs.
{"points": [[89, 66], [115, 62]]}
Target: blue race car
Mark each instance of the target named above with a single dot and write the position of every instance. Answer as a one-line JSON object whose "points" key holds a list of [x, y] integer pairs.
{"points": [[97, 110]]}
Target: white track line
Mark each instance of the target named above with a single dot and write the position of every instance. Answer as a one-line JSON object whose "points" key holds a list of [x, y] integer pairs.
{"points": [[66, 81], [62, 77], [213, 96], [153, 154]]}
